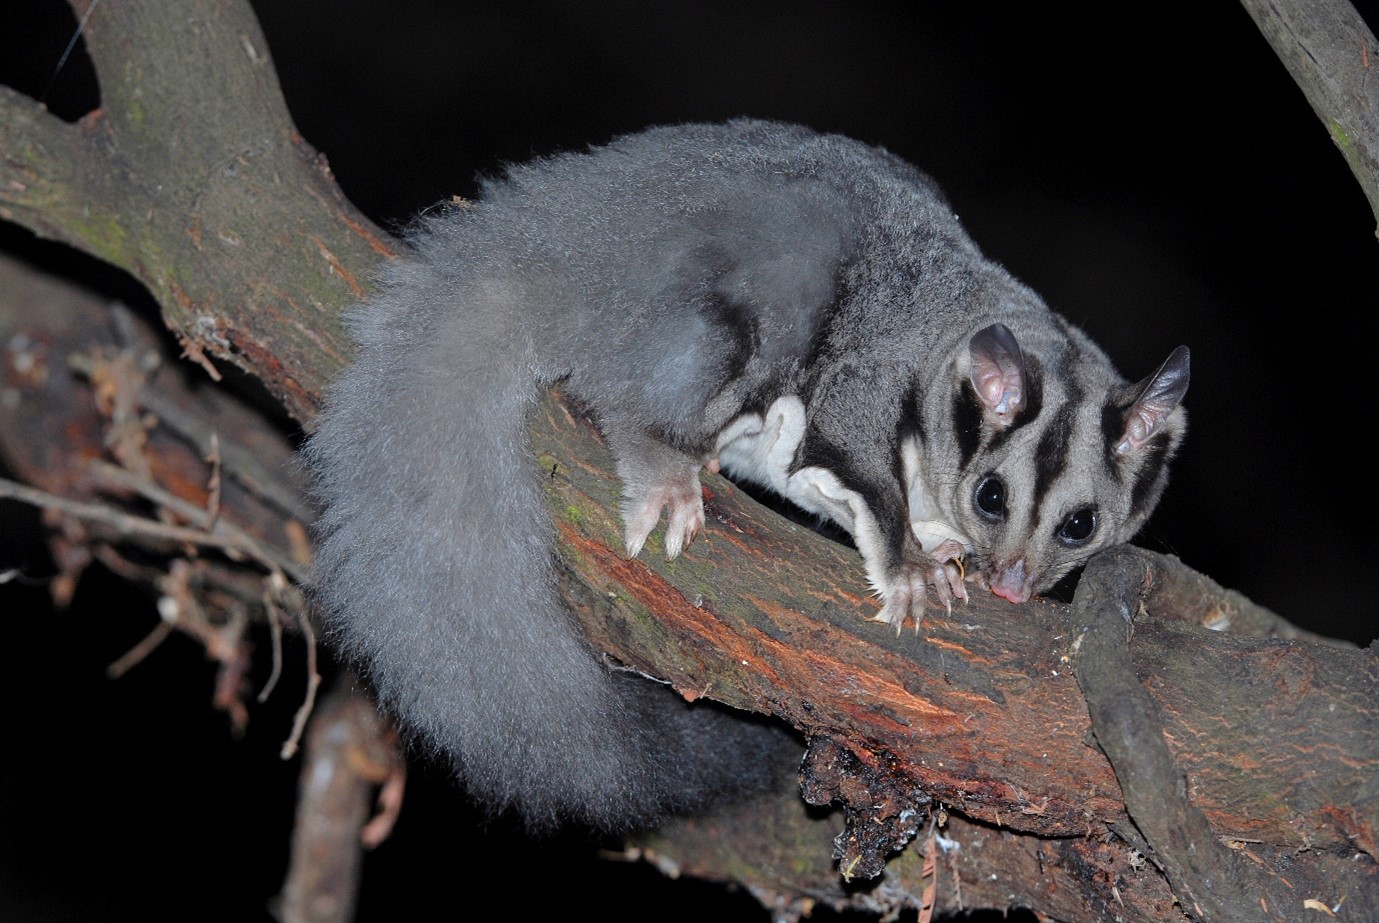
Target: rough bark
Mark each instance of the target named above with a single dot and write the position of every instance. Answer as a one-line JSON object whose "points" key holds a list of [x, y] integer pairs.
{"points": [[972, 738]]}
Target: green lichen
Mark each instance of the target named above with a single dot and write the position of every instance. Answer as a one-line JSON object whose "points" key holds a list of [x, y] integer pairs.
{"points": [[103, 234], [1342, 138]]}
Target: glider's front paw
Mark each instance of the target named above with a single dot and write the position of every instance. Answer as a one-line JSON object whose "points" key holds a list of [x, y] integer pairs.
{"points": [[938, 574]]}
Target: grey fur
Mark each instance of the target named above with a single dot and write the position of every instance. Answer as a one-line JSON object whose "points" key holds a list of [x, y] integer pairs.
{"points": [[696, 286]]}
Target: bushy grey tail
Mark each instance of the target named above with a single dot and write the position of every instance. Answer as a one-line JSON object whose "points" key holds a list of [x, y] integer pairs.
{"points": [[434, 571]]}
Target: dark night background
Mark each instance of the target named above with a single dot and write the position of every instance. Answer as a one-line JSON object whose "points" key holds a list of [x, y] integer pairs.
{"points": [[1151, 170]]}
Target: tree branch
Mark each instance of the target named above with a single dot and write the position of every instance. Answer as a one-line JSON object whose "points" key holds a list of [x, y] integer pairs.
{"points": [[199, 186], [1332, 56], [47, 172], [192, 178]]}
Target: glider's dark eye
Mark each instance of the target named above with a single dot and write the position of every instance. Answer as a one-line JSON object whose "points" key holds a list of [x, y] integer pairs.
{"points": [[990, 498], [1078, 527]]}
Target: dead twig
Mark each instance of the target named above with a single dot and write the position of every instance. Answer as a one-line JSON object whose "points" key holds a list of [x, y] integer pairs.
{"points": [[136, 654], [313, 682], [234, 542]]}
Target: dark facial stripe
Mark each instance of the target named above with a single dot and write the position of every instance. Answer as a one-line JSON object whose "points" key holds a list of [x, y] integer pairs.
{"points": [[1149, 467], [1051, 454], [1112, 428], [1151, 473], [967, 423]]}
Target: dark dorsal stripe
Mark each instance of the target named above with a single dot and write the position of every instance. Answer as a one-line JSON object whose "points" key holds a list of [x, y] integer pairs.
{"points": [[741, 329], [890, 515], [909, 426]]}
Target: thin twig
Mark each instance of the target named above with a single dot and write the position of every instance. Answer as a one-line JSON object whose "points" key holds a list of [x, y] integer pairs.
{"points": [[121, 522], [275, 631], [213, 485], [231, 539], [136, 654], [313, 681]]}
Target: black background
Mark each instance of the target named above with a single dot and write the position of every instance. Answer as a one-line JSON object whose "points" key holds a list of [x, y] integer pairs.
{"points": [[1152, 172]]}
